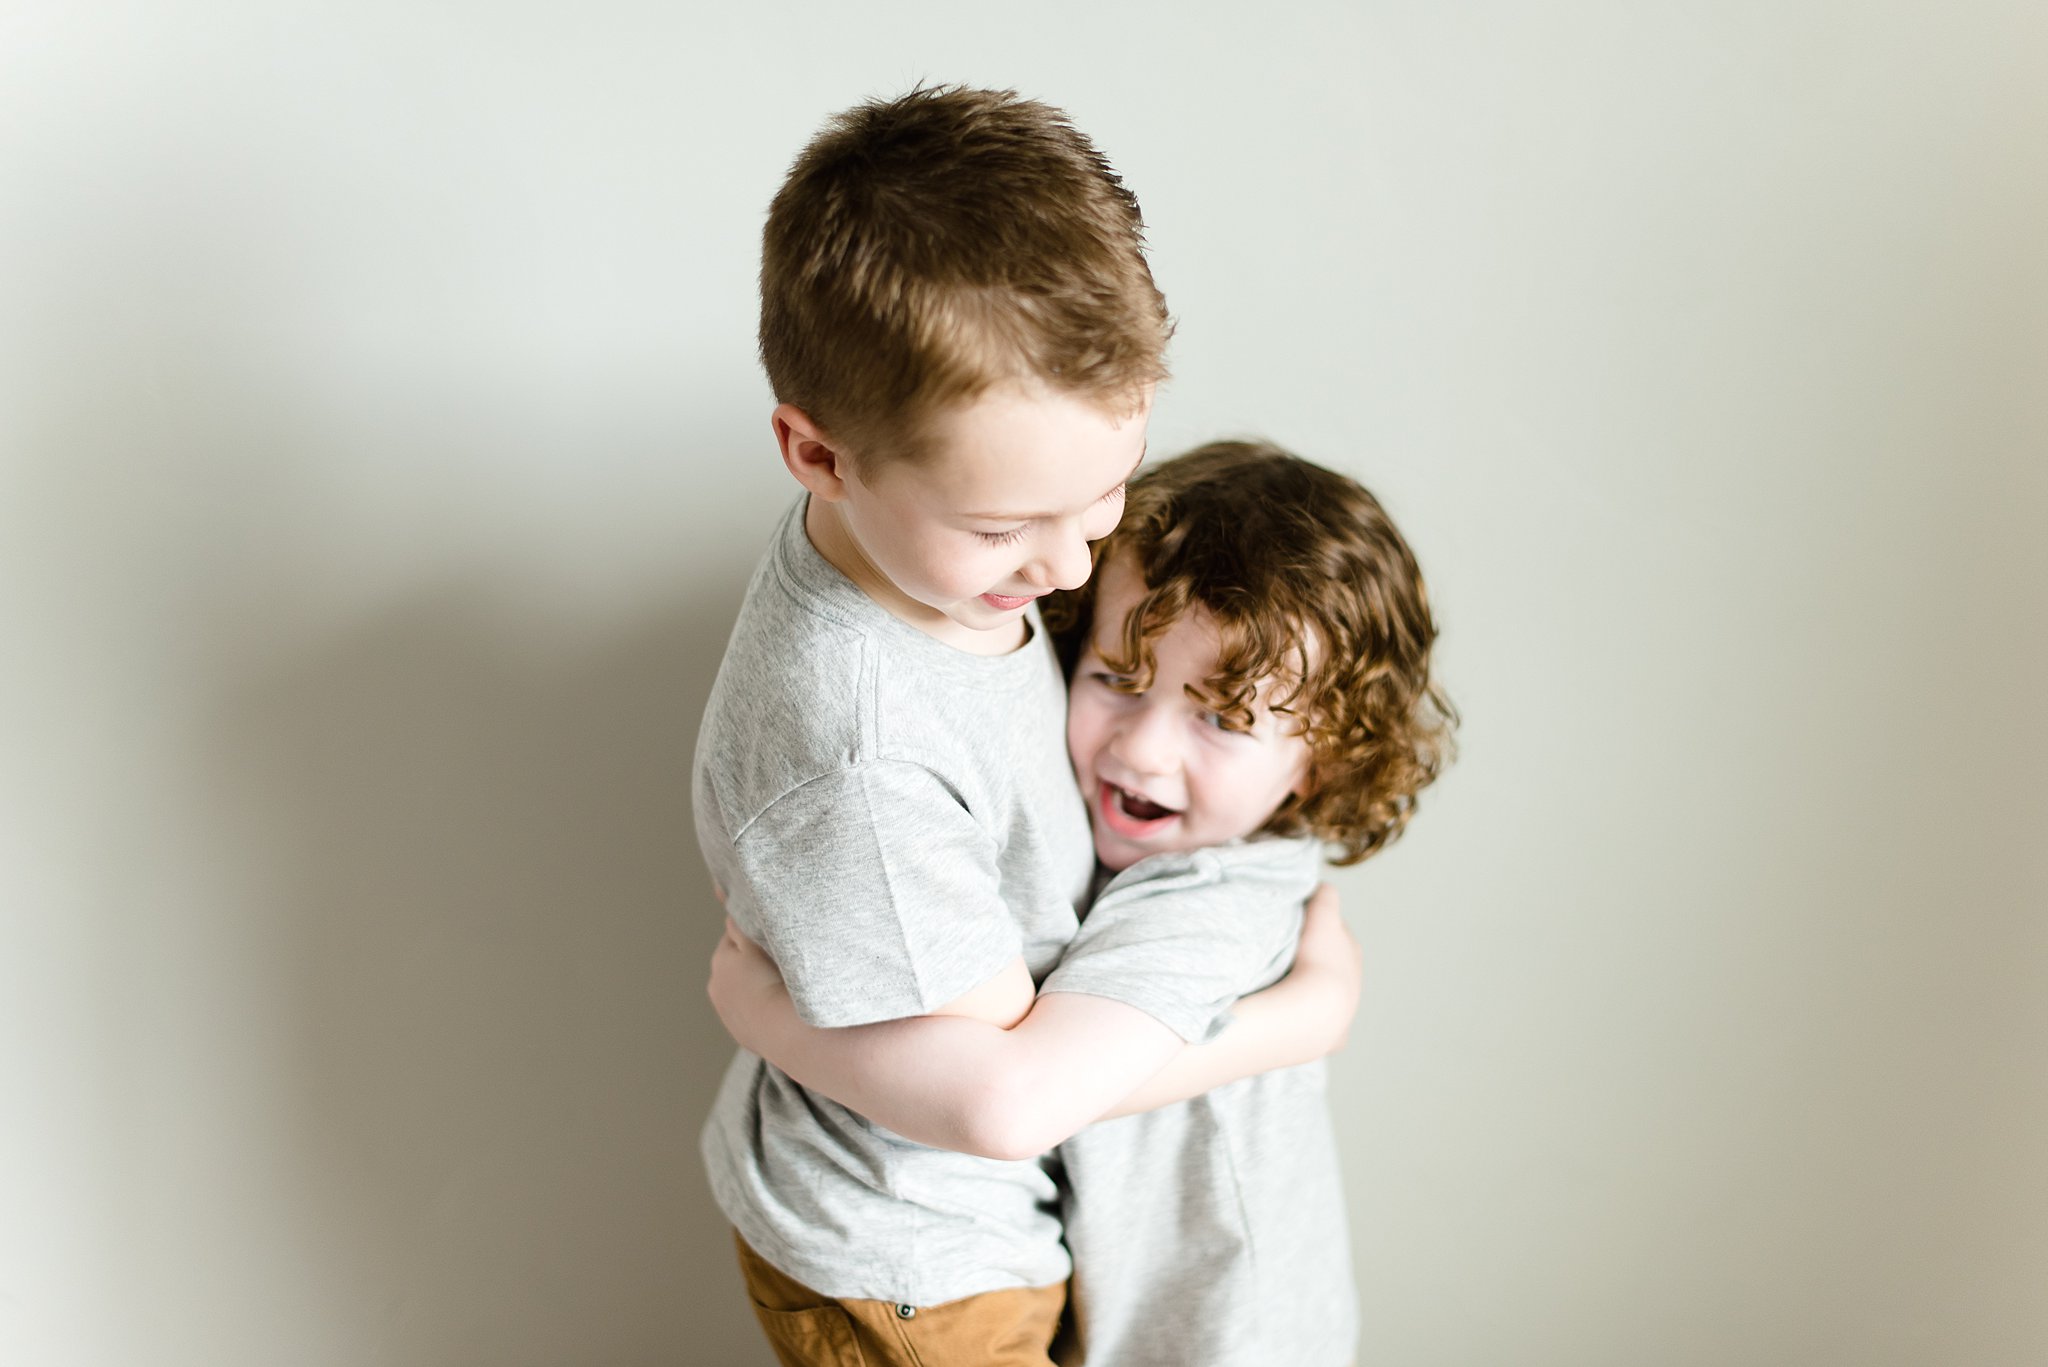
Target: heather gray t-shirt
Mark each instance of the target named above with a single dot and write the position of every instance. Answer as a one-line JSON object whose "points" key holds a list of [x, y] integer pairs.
{"points": [[1210, 1233], [894, 820]]}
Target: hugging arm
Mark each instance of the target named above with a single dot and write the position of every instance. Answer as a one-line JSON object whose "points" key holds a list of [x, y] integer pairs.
{"points": [[960, 1082], [1303, 1017], [953, 1080]]}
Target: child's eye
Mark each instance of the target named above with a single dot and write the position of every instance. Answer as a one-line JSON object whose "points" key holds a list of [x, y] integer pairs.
{"points": [[1009, 538], [1120, 683], [1117, 493], [1219, 722]]}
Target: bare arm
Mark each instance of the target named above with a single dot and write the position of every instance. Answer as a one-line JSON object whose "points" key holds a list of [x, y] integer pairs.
{"points": [[950, 1080], [970, 1085]]}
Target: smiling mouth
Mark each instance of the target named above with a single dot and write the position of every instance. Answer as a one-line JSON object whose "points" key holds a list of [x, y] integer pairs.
{"points": [[1130, 815]]}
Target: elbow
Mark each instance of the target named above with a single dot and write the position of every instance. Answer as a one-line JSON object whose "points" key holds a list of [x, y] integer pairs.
{"points": [[1005, 1148], [1006, 1121]]}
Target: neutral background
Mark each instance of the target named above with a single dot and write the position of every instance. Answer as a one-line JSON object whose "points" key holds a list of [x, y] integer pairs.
{"points": [[384, 454]]}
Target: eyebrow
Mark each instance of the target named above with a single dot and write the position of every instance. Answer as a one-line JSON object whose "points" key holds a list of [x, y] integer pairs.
{"points": [[1144, 451]]}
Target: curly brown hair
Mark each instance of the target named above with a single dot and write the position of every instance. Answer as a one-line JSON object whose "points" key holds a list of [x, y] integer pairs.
{"points": [[1307, 580]]}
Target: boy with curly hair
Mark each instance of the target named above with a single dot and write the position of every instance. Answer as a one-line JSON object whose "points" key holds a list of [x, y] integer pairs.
{"points": [[1250, 685]]}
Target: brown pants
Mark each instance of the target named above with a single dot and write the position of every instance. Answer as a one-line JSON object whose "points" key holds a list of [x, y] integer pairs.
{"points": [[994, 1329]]}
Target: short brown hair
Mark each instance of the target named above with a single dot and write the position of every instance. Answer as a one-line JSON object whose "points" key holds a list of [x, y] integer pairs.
{"points": [[925, 248], [1307, 580]]}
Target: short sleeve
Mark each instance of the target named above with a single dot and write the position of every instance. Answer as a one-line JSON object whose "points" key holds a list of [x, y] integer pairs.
{"points": [[876, 892], [1181, 949]]}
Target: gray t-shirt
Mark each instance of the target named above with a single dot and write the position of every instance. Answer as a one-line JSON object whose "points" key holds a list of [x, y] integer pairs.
{"points": [[1210, 1233], [894, 820]]}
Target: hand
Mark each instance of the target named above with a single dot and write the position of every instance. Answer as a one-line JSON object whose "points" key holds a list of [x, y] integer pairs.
{"points": [[1329, 958], [743, 979]]}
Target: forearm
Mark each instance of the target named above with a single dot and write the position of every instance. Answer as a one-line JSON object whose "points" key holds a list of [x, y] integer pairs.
{"points": [[962, 1084], [926, 1078]]}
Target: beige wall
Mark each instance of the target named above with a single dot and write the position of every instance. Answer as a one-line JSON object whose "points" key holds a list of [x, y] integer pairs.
{"points": [[382, 455]]}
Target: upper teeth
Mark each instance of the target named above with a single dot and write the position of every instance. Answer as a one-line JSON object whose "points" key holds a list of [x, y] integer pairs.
{"points": [[1129, 797]]}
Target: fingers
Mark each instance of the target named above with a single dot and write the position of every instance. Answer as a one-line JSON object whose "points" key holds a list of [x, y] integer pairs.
{"points": [[740, 944], [724, 956], [1325, 938], [1321, 916]]}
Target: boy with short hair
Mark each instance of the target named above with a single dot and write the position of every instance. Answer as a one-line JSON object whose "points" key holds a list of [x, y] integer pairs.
{"points": [[963, 337], [1251, 682]]}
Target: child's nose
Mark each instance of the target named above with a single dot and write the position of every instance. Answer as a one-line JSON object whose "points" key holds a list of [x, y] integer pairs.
{"points": [[1062, 564], [1146, 742]]}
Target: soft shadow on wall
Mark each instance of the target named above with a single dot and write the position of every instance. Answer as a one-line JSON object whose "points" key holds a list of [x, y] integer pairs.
{"points": [[373, 666], [484, 924]]}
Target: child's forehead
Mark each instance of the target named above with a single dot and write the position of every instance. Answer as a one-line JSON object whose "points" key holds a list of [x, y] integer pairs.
{"points": [[1018, 454], [1193, 638], [1196, 642]]}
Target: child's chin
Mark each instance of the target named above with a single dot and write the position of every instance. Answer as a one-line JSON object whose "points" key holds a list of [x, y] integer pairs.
{"points": [[1118, 852], [1115, 854]]}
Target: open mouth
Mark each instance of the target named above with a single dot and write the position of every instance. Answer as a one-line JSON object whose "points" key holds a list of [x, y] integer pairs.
{"points": [[1130, 814]]}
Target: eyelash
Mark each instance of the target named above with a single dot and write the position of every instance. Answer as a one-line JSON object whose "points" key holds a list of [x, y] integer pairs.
{"points": [[1214, 720], [1016, 534]]}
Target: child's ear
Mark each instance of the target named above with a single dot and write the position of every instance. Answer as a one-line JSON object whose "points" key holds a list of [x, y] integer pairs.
{"points": [[817, 461], [1304, 782]]}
